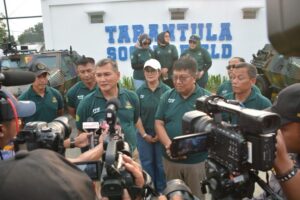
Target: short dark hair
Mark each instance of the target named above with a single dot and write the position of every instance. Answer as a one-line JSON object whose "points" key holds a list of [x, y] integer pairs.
{"points": [[186, 63], [252, 71], [85, 60], [106, 61], [239, 58]]}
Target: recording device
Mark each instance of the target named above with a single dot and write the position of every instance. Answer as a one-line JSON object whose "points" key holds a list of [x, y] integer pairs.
{"points": [[188, 144], [116, 178], [44, 135], [92, 168], [178, 188], [235, 152]]}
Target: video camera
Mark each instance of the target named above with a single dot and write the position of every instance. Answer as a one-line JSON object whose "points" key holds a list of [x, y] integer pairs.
{"points": [[235, 152], [44, 135]]}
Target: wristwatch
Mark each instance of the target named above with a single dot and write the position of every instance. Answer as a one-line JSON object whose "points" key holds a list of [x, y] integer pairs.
{"points": [[72, 142]]}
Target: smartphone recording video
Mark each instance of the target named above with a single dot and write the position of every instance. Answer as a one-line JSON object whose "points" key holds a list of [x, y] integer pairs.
{"points": [[188, 144], [92, 168]]}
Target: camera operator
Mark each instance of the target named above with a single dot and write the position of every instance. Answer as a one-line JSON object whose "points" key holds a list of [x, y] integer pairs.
{"points": [[168, 123], [10, 124], [286, 173]]}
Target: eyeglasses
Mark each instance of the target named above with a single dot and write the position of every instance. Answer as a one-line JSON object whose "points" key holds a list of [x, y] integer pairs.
{"points": [[230, 67], [181, 78], [146, 43], [192, 42]]}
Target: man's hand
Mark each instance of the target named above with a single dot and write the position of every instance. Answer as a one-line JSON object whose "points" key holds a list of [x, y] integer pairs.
{"points": [[82, 140], [135, 169], [150, 139], [168, 151], [282, 162]]}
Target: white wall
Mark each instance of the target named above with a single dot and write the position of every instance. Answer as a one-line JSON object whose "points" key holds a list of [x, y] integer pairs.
{"points": [[66, 23]]}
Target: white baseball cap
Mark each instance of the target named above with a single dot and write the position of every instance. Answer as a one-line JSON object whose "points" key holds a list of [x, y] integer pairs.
{"points": [[153, 63]]}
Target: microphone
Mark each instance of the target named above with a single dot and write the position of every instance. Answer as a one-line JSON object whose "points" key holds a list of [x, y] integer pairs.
{"points": [[112, 107], [91, 127], [16, 78]]}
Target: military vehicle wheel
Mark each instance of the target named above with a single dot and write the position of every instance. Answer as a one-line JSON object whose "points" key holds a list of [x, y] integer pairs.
{"points": [[263, 84]]}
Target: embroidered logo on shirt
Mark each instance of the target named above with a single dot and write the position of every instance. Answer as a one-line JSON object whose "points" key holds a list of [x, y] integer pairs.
{"points": [[171, 100], [54, 100], [80, 97], [142, 96], [224, 91], [96, 110], [128, 105]]}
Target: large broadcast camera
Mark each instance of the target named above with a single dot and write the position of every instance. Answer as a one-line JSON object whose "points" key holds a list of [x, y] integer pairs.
{"points": [[44, 135], [235, 152]]}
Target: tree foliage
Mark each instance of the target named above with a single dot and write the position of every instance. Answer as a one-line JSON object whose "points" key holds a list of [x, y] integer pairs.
{"points": [[3, 33], [32, 34]]}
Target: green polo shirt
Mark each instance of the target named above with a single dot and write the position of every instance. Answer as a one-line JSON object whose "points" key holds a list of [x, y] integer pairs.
{"points": [[166, 55], [148, 104], [46, 107], [94, 105], [138, 58], [171, 109], [226, 88], [76, 93], [254, 101]]}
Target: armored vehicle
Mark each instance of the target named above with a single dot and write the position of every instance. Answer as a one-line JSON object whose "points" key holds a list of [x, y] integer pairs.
{"points": [[61, 64], [275, 71]]}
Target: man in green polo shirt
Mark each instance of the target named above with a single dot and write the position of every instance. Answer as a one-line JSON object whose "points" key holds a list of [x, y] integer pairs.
{"points": [[93, 105], [226, 86], [243, 78], [49, 101], [85, 68], [168, 123]]}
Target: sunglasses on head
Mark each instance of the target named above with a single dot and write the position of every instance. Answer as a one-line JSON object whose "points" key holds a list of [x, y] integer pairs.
{"points": [[230, 67]]}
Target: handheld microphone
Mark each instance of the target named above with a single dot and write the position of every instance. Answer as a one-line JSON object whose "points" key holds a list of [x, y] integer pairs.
{"points": [[16, 78], [112, 107], [91, 127]]}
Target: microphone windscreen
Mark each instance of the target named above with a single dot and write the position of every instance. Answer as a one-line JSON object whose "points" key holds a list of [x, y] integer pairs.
{"points": [[113, 101], [15, 78]]}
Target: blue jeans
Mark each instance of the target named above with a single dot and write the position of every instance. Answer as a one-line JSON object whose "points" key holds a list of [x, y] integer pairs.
{"points": [[151, 159], [138, 83]]}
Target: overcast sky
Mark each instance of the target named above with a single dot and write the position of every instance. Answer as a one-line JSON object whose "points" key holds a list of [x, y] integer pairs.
{"points": [[21, 8]]}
